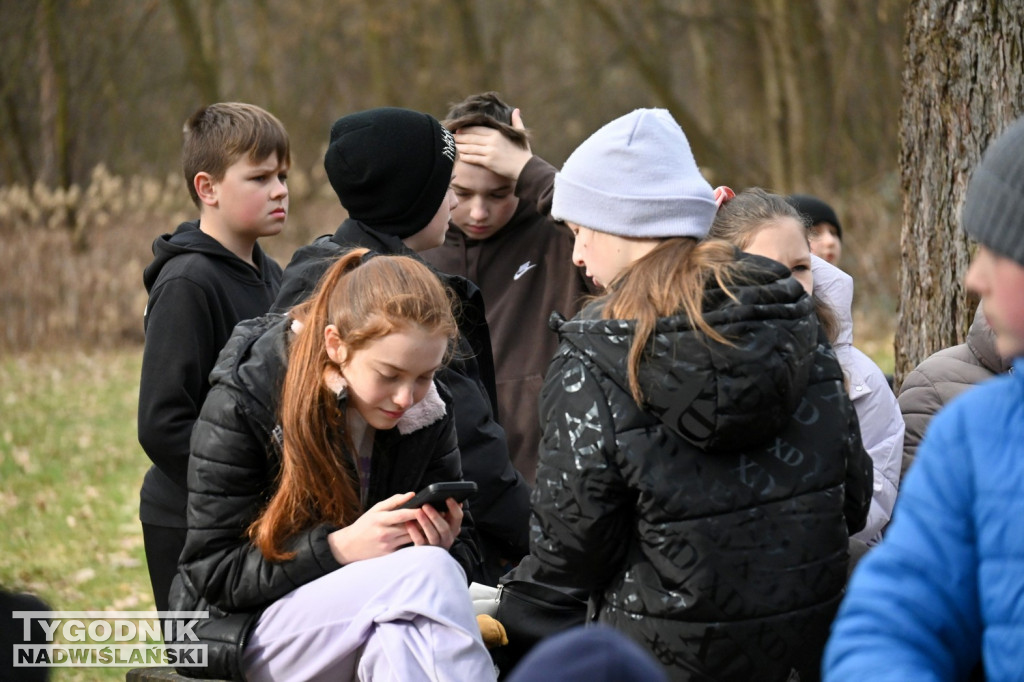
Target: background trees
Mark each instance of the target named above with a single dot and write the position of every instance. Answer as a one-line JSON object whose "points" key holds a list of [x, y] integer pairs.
{"points": [[773, 92], [963, 80], [793, 96]]}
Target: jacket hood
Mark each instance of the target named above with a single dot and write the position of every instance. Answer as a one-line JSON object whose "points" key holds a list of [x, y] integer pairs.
{"points": [[718, 397], [354, 234], [835, 288], [188, 238], [981, 341]]}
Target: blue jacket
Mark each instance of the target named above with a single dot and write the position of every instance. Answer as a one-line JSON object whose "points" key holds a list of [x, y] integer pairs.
{"points": [[945, 589]]}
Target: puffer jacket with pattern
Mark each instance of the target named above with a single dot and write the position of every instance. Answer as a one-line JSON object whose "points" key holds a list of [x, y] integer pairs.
{"points": [[712, 523], [232, 471]]}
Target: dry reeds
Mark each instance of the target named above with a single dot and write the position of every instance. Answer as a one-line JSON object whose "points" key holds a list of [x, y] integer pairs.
{"points": [[83, 289], [73, 259]]}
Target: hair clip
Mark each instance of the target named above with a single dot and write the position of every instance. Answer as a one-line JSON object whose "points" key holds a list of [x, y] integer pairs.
{"points": [[723, 194]]}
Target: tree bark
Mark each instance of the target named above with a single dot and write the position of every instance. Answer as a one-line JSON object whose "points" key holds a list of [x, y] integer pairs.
{"points": [[774, 113], [55, 94], [18, 163], [198, 47], [961, 86]]}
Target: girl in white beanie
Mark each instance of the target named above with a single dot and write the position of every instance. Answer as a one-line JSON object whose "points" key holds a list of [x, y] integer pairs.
{"points": [[701, 466]]}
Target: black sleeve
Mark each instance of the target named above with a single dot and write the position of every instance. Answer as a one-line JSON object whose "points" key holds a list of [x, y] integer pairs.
{"points": [[301, 277], [859, 476], [582, 506], [228, 481], [179, 353], [501, 507], [446, 465]]}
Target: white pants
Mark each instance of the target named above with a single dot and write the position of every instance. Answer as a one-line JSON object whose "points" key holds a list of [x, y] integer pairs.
{"points": [[403, 617]]}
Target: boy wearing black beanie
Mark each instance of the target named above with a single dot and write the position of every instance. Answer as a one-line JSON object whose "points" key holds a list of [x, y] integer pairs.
{"points": [[391, 169]]}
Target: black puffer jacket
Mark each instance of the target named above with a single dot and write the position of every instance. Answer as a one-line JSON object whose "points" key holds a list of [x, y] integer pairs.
{"points": [[501, 507], [232, 469], [712, 524]]}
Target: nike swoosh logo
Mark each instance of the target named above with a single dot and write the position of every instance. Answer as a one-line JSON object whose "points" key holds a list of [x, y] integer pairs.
{"points": [[523, 269]]}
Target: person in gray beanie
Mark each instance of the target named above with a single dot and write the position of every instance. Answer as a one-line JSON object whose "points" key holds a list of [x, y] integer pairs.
{"points": [[636, 177], [994, 208], [391, 169], [701, 466], [942, 598]]}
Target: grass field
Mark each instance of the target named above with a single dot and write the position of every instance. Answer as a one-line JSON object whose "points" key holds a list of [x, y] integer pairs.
{"points": [[70, 471]]}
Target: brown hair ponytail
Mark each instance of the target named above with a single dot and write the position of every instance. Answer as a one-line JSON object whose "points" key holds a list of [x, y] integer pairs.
{"points": [[666, 281]]}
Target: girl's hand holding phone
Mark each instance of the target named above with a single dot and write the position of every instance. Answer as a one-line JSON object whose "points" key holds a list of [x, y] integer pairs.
{"points": [[431, 527], [380, 530]]}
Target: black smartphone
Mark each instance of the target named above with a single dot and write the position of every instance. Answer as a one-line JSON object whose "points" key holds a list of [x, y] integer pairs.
{"points": [[436, 493]]}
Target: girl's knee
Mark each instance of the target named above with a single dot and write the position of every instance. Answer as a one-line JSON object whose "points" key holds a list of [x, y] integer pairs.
{"points": [[434, 558], [432, 566]]}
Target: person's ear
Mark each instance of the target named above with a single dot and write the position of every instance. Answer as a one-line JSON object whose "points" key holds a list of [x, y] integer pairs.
{"points": [[336, 349], [206, 188]]}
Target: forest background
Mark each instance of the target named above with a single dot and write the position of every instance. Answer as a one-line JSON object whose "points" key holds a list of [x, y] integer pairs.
{"points": [[881, 107], [791, 96]]}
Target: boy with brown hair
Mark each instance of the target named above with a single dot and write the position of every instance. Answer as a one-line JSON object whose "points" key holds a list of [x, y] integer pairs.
{"points": [[502, 238], [205, 278]]}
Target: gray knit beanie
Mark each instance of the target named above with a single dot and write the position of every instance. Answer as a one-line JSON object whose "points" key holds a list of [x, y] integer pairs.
{"points": [[994, 208], [635, 177]]}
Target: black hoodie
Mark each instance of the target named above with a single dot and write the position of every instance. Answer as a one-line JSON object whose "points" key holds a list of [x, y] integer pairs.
{"points": [[198, 292]]}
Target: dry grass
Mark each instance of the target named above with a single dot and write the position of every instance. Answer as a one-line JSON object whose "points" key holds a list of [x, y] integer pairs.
{"points": [[83, 288], [65, 288]]}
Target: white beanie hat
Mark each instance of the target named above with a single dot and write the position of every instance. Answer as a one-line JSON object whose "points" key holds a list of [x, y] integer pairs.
{"points": [[635, 177]]}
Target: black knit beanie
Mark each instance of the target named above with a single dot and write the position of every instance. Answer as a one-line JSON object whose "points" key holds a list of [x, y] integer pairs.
{"points": [[390, 168], [994, 209], [817, 210]]}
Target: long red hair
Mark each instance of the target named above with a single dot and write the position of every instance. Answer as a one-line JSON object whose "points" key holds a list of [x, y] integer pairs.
{"points": [[366, 299]]}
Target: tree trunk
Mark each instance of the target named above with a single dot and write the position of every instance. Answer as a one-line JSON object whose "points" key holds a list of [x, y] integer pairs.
{"points": [[774, 113], [55, 95], [475, 63], [961, 86], [18, 164], [200, 51], [385, 83]]}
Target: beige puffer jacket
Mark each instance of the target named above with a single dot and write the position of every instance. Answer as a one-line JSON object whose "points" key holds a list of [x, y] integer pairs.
{"points": [[944, 375]]}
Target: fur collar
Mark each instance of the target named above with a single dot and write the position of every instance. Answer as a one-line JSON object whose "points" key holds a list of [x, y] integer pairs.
{"points": [[424, 413], [421, 415]]}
